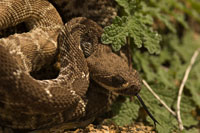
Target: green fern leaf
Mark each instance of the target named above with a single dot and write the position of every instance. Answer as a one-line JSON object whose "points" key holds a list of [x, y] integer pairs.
{"points": [[133, 27]]}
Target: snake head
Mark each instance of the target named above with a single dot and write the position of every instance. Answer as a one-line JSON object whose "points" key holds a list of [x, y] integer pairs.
{"points": [[106, 68], [113, 73]]}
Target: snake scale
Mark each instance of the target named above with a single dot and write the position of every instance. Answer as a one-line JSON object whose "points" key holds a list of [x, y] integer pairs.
{"points": [[89, 70]]}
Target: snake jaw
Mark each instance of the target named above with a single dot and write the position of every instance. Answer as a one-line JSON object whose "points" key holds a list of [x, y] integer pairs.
{"points": [[129, 91], [126, 89]]}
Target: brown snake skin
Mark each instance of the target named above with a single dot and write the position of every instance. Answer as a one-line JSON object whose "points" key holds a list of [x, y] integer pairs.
{"points": [[28, 103], [100, 11]]}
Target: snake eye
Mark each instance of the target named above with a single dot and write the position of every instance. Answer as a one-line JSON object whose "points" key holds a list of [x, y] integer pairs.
{"points": [[118, 80]]}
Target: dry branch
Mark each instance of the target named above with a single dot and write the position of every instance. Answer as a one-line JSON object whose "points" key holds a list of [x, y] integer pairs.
{"points": [[193, 59], [157, 97]]}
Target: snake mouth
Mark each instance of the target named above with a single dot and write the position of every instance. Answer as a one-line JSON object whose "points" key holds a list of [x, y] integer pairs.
{"points": [[130, 91]]}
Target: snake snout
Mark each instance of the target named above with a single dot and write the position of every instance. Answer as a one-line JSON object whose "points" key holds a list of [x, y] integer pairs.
{"points": [[132, 90]]}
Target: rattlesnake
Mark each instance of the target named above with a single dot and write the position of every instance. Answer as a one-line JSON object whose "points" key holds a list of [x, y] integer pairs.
{"points": [[27, 103]]}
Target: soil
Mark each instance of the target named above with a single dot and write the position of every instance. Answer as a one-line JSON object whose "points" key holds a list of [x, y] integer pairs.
{"points": [[136, 128]]}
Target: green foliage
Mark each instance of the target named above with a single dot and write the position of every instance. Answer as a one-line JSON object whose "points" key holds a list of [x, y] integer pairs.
{"points": [[166, 11], [130, 6], [164, 73], [134, 25], [127, 112], [164, 70]]}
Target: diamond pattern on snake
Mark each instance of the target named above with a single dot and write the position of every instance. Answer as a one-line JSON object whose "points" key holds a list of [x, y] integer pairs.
{"points": [[88, 74]]}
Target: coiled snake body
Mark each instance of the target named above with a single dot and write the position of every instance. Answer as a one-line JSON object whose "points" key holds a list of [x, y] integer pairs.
{"points": [[28, 103]]}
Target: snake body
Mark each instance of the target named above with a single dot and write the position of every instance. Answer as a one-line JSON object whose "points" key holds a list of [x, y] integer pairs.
{"points": [[28, 103], [20, 55]]}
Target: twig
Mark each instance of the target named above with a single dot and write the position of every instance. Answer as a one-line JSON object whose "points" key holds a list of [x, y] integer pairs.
{"points": [[129, 51], [157, 97], [193, 59]]}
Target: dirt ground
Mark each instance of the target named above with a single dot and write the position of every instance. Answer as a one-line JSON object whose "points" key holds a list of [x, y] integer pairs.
{"points": [[136, 128]]}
